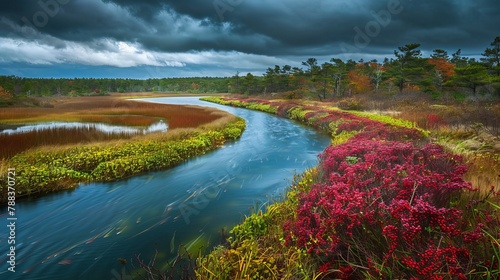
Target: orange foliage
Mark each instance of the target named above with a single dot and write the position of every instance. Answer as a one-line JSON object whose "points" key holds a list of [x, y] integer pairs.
{"points": [[359, 81], [195, 86], [446, 68], [5, 94], [375, 65], [413, 87]]}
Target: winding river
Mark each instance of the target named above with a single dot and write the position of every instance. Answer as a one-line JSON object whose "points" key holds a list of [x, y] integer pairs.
{"points": [[81, 234]]}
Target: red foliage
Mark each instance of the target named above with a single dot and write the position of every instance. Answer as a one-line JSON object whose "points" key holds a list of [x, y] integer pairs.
{"points": [[285, 107], [434, 259], [376, 189], [5, 94], [434, 121], [384, 207]]}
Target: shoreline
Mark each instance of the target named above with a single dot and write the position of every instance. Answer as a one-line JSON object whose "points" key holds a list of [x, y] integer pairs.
{"points": [[53, 168], [292, 237]]}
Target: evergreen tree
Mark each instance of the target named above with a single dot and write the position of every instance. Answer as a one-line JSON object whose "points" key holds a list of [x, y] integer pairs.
{"points": [[471, 76], [407, 67], [492, 57], [440, 54]]}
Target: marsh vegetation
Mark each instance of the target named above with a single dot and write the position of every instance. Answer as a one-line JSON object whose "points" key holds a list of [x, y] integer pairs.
{"points": [[61, 158], [384, 202]]}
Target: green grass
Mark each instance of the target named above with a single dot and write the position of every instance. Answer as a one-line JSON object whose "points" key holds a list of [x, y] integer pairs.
{"points": [[389, 120], [47, 169], [257, 250]]}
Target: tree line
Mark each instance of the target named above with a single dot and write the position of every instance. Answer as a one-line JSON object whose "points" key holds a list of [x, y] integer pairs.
{"points": [[406, 71], [437, 74], [90, 86]]}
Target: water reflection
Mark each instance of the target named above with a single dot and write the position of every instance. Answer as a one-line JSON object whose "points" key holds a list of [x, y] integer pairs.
{"points": [[160, 126]]}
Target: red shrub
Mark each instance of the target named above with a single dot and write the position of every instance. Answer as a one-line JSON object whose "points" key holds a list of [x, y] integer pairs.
{"points": [[388, 195], [283, 108], [434, 121]]}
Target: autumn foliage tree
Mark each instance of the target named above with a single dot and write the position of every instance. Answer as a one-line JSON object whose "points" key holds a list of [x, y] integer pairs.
{"points": [[5, 94], [359, 79], [443, 70]]}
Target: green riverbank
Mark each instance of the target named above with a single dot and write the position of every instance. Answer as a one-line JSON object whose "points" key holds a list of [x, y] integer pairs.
{"points": [[49, 169]]}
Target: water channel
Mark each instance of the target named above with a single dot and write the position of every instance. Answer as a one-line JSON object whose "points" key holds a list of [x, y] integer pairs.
{"points": [[106, 128], [80, 234]]}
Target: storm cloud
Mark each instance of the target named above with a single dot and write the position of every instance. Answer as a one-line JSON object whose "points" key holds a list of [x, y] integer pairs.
{"points": [[224, 36]]}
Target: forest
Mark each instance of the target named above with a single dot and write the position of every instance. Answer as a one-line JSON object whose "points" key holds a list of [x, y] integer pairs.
{"points": [[441, 75]]}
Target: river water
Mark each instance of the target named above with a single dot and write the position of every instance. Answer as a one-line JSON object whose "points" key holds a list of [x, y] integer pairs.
{"points": [[80, 234]]}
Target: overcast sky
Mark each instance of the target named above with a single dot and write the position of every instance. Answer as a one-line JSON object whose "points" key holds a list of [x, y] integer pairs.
{"points": [[167, 38]]}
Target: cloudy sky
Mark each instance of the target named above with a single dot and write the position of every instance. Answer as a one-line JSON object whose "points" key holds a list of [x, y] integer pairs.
{"points": [[178, 38]]}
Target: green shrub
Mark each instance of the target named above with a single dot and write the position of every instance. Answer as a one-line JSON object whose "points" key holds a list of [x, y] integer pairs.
{"points": [[298, 114], [253, 227], [350, 104], [342, 137]]}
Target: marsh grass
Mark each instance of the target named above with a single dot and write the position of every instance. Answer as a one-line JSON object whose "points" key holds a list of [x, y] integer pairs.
{"points": [[58, 167], [108, 110], [468, 129], [17, 143], [483, 171], [257, 249], [60, 159]]}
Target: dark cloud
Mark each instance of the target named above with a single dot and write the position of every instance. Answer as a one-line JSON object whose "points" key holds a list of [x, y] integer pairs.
{"points": [[281, 28], [143, 9]]}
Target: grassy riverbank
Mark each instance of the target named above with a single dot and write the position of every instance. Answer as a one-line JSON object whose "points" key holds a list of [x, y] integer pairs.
{"points": [[384, 203], [59, 164]]}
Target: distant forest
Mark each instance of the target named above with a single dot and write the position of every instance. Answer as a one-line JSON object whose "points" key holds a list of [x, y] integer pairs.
{"points": [[438, 74]]}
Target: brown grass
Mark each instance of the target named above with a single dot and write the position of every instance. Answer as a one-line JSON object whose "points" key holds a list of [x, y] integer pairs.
{"points": [[454, 125], [109, 110], [16, 143], [467, 128], [483, 171]]}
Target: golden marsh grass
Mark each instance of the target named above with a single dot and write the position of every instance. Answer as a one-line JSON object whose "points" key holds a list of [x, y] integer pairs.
{"points": [[107, 110]]}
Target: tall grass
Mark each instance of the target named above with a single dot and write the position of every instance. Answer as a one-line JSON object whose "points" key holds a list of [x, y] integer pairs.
{"points": [[110, 110], [106, 110], [469, 129], [13, 144]]}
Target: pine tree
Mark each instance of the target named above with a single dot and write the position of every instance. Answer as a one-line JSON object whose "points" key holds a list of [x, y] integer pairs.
{"points": [[492, 57]]}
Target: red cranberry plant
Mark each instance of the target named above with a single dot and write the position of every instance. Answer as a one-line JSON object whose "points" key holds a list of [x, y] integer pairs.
{"points": [[386, 208]]}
